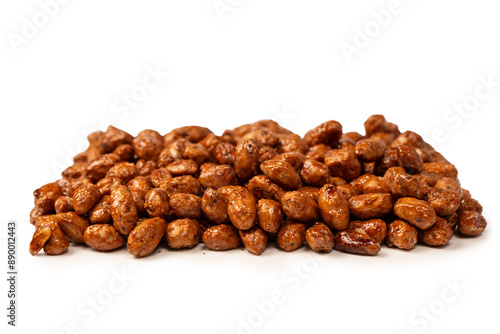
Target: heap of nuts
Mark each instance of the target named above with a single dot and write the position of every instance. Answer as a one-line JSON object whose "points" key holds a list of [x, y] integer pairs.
{"points": [[254, 184]]}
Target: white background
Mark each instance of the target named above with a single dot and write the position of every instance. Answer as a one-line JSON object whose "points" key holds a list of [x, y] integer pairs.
{"points": [[261, 59]]}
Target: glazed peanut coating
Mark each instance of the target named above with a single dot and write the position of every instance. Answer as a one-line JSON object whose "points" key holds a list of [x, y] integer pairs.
{"points": [[242, 209], [471, 223], [214, 206], [270, 215], [103, 237], [221, 237], [254, 239], [291, 235], [183, 233], [156, 203], [300, 207], [319, 238], [356, 243], [368, 206], [333, 207], [145, 237], [401, 235], [123, 210], [281, 172], [85, 197], [258, 183], [438, 234], [418, 213], [186, 205]]}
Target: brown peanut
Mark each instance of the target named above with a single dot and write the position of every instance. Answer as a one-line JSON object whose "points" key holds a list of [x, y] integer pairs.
{"points": [[300, 207], [186, 205], [221, 237], [291, 235], [123, 210], [369, 206], [319, 238], [418, 213], [183, 233], [356, 243], [401, 235], [103, 237], [145, 237], [254, 239], [333, 207], [270, 215]]}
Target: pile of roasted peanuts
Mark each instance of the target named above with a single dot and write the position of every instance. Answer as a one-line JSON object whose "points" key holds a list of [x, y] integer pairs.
{"points": [[256, 183]]}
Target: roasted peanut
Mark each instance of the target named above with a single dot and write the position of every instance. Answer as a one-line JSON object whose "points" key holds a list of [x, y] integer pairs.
{"points": [[103, 237], [300, 207], [315, 173], [311, 192], [467, 203], [368, 206], [85, 197], [375, 228], [376, 185], [148, 144], [145, 167], [295, 159], [156, 203], [183, 233], [282, 173], [114, 137], [356, 242], [320, 238], [98, 168], [266, 153], [471, 223], [254, 239], [197, 153], [242, 209], [139, 187], [46, 196], [410, 159], [438, 234], [270, 215], [317, 152], [406, 185], [291, 142], [57, 244], [418, 213], [160, 175], [262, 186], [63, 204], [347, 190], [181, 184], [73, 225], [291, 235], [217, 176], [214, 206], [182, 167], [333, 207], [343, 163], [224, 153], [145, 237], [125, 152], [186, 205], [123, 170], [40, 238], [327, 133], [123, 210], [371, 149], [443, 201], [106, 184], [221, 237], [449, 183], [262, 137], [434, 171], [401, 235], [101, 212]]}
